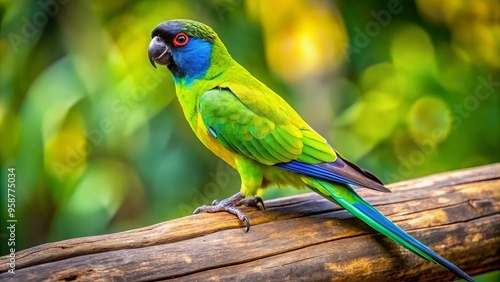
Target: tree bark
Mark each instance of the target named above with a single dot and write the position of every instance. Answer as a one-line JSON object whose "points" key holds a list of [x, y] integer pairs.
{"points": [[303, 237]]}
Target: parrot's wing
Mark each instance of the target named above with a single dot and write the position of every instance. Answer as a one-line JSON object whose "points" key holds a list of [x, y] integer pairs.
{"points": [[267, 140], [272, 137]]}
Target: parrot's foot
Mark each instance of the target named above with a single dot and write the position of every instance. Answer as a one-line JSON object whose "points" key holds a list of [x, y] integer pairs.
{"points": [[229, 205], [252, 202]]}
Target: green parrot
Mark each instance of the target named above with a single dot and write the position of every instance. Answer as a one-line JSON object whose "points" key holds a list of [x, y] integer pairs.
{"points": [[255, 131]]}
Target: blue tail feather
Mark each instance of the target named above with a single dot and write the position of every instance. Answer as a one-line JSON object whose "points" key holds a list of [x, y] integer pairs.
{"points": [[432, 256], [371, 216]]}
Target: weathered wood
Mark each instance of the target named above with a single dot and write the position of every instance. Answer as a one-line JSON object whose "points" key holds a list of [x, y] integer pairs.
{"points": [[303, 237]]}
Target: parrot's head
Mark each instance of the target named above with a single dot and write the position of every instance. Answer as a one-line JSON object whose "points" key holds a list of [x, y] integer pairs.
{"points": [[185, 47]]}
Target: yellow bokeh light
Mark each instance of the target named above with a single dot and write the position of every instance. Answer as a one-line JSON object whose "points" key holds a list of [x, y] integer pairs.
{"points": [[295, 47], [429, 120]]}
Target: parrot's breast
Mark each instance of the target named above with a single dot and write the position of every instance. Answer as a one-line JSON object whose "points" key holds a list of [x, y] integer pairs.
{"points": [[202, 132]]}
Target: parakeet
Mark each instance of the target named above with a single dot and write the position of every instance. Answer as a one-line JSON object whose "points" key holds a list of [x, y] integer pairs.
{"points": [[255, 131]]}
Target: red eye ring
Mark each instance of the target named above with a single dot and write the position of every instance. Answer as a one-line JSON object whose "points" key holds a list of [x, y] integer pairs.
{"points": [[181, 39]]}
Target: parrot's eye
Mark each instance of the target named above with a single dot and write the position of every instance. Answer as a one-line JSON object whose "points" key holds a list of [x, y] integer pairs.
{"points": [[181, 39]]}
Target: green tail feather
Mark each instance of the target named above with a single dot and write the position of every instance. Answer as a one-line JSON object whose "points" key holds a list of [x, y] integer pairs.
{"points": [[348, 199]]}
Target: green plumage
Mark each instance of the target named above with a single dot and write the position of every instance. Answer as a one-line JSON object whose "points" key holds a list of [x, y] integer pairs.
{"points": [[268, 140]]}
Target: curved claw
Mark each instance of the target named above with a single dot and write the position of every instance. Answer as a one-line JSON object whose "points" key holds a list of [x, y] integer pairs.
{"points": [[198, 210], [245, 218], [259, 200], [252, 202]]}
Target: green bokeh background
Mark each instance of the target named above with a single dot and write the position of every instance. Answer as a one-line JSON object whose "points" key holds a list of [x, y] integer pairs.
{"points": [[100, 144]]}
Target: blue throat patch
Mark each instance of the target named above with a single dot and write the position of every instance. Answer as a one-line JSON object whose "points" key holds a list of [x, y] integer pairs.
{"points": [[191, 61]]}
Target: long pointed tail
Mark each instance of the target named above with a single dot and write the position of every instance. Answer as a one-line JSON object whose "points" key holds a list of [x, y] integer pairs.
{"points": [[351, 201]]}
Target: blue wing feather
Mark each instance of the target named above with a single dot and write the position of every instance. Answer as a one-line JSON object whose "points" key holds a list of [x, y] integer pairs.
{"points": [[338, 171]]}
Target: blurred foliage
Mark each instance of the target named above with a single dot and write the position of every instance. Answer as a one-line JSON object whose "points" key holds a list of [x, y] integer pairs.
{"points": [[100, 144]]}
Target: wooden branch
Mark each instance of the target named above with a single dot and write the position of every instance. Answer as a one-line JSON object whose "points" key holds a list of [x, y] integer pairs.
{"points": [[303, 237]]}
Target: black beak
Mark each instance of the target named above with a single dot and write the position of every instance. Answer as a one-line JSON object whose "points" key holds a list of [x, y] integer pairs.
{"points": [[158, 52]]}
